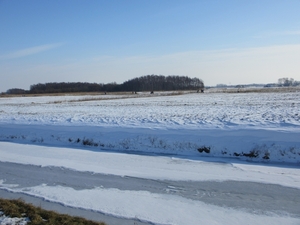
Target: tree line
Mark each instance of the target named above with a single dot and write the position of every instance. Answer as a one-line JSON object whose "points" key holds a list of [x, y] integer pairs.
{"points": [[162, 83], [287, 82], [145, 83]]}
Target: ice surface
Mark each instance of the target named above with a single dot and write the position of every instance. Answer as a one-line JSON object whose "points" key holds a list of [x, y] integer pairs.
{"points": [[157, 208], [147, 206]]}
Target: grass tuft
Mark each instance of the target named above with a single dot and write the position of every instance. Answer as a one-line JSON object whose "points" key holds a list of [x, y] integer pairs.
{"points": [[38, 216]]}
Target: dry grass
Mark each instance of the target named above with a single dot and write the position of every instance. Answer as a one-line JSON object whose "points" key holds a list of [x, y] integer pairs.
{"points": [[157, 93], [53, 94], [38, 216], [123, 94]]}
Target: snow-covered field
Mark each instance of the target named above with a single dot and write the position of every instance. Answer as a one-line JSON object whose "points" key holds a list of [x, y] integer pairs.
{"points": [[210, 137], [252, 126]]}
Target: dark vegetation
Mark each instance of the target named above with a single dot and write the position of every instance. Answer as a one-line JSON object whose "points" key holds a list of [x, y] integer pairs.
{"points": [[204, 149], [149, 83], [282, 82], [254, 153], [251, 154], [38, 216]]}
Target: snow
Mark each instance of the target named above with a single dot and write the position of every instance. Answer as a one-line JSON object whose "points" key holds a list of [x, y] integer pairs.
{"points": [[218, 110], [150, 167], [252, 137], [5, 220], [157, 208], [251, 126]]}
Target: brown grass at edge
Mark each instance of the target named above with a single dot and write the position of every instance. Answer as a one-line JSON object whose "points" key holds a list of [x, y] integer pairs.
{"points": [[179, 92], [64, 94], [93, 94], [18, 208]]}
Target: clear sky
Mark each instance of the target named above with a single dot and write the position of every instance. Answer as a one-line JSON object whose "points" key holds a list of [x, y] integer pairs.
{"points": [[221, 42]]}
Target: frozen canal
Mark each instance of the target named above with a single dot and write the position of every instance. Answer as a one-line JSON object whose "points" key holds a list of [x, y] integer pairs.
{"points": [[254, 197]]}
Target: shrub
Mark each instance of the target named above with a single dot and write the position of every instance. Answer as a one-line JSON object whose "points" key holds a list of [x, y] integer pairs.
{"points": [[251, 154], [204, 149], [266, 156], [89, 142]]}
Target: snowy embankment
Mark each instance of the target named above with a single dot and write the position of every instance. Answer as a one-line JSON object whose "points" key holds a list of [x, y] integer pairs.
{"points": [[262, 127]]}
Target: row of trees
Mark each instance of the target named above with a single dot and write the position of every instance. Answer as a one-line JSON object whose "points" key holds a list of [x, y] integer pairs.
{"points": [[144, 83], [162, 83], [287, 82], [64, 87], [282, 82]]}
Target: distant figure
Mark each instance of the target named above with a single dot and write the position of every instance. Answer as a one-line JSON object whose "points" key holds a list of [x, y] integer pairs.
{"points": [[152, 92], [105, 93]]}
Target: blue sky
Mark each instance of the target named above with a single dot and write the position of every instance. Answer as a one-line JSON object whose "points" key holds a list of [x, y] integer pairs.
{"points": [[228, 42]]}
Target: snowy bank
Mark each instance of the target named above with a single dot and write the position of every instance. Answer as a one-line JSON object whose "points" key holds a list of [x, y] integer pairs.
{"points": [[258, 145], [261, 127]]}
